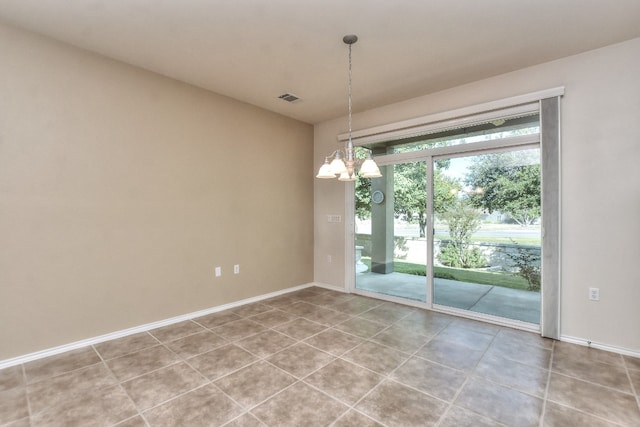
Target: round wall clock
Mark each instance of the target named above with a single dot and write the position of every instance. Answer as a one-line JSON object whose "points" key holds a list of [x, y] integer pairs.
{"points": [[377, 197]]}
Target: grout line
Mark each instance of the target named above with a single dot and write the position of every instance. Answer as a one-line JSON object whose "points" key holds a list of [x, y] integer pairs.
{"points": [[119, 385], [23, 369], [546, 389]]}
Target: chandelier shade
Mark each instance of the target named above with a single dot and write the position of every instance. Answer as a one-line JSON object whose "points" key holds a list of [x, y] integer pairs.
{"points": [[343, 162]]}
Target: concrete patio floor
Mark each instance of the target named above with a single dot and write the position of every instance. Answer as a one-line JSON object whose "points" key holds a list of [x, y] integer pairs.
{"points": [[495, 300]]}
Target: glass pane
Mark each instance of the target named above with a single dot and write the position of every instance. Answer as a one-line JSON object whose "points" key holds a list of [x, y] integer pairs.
{"points": [[391, 219], [487, 234], [502, 128]]}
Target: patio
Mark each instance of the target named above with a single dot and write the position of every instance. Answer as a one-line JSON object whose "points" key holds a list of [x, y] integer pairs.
{"points": [[495, 300]]}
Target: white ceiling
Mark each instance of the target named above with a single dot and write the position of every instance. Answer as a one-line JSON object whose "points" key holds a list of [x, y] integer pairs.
{"points": [[255, 50]]}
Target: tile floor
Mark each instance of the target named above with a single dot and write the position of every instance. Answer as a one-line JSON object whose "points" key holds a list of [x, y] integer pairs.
{"points": [[317, 357]]}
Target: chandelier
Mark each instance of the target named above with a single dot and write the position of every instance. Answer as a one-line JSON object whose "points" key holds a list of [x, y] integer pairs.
{"points": [[342, 163]]}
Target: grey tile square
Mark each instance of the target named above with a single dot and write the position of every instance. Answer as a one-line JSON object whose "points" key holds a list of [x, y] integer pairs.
{"points": [[24, 422], [400, 339], [333, 341], [13, 405], [125, 345], [452, 354], [255, 383], [299, 405], [635, 380], [301, 309], [355, 419], [360, 327], [467, 337], [526, 338], [376, 357], [357, 305], [141, 362], [560, 416], [436, 380], [341, 297], [60, 363], [525, 378], [246, 420], [614, 376], [509, 347], [498, 403], [280, 301], [238, 329], [204, 406], [563, 350], [52, 391], [345, 381], [621, 408], [476, 326], [300, 359], [159, 386], [424, 322], [272, 318], [214, 320], [93, 407], [251, 309], [300, 328], [387, 313], [222, 361], [136, 421], [460, 417], [177, 330], [196, 344], [394, 404], [327, 317], [11, 377], [266, 343], [326, 300], [632, 363]]}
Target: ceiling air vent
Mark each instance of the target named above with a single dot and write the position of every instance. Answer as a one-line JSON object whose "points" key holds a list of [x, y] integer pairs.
{"points": [[288, 97]]}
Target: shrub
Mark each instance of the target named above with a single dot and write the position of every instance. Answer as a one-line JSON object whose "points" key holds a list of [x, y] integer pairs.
{"points": [[461, 255], [527, 264]]}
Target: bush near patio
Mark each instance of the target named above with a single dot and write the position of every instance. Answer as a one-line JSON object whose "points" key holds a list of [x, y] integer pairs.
{"points": [[504, 279]]}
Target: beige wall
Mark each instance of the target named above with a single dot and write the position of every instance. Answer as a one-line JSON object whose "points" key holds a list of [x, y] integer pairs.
{"points": [[600, 183], [120, 190]]}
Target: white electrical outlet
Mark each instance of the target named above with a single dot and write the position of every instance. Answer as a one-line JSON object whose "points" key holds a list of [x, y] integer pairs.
{"points": [[329, 259], [594, 294], [218, 271], [236, 269]]}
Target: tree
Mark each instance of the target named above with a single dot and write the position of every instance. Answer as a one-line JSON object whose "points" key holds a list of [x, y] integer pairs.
{"points": [[363, 198], [510, 183], [410, 192], [463, 220]]}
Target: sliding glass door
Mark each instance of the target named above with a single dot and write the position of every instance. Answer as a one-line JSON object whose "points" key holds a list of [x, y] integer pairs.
{"points": [[391, 223], [455, 221], [487, 239]]}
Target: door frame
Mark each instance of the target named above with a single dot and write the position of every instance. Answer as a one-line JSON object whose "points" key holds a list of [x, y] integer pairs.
{"points": [[548, 140]]}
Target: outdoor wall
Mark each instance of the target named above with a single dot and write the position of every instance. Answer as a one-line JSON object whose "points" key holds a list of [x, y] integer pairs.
{"points": [[599, 172], [121, 190]]}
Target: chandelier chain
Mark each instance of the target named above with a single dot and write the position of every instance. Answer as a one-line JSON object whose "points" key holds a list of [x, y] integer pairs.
{"points": [[350, 92]]}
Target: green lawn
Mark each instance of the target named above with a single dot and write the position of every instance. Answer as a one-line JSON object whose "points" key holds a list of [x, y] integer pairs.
{"points": [[534, 241], [506, 280]]}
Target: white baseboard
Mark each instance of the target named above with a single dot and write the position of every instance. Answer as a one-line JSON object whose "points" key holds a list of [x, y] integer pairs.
{"points": [[330, 287], [143, 328], [600, 346]]}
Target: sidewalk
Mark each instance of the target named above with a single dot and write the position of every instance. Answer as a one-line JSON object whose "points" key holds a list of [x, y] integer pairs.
{"points": [[495, 300]]}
